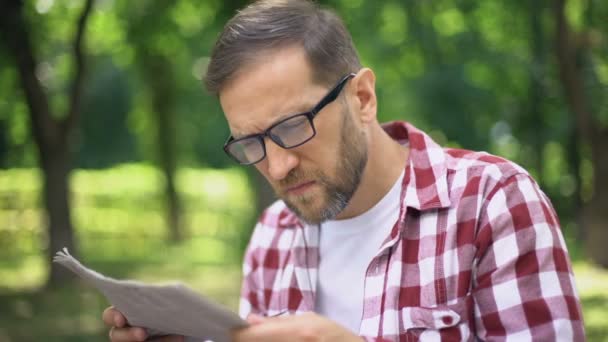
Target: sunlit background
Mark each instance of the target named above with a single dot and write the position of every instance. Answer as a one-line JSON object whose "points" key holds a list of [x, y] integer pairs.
{"points": [[153, 197]]}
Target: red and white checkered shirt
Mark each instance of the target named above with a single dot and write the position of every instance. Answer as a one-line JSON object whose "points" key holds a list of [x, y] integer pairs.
{"points": [[477, 253]]}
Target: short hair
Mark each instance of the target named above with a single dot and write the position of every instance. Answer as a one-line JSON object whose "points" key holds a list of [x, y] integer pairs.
{"points": [[268, 25]]}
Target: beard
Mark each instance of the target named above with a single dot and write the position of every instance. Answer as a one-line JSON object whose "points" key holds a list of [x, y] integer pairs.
{"points": [[336, 193]]}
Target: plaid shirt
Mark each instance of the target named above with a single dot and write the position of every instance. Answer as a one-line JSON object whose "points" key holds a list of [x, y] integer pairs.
{"points": [[476, 253]]}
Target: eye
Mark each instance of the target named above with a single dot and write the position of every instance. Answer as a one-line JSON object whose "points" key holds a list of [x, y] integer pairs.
{"points": [[295, 123], [248, 142]]}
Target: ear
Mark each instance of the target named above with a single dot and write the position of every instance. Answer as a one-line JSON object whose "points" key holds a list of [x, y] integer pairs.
{"points": [[364, 88]]}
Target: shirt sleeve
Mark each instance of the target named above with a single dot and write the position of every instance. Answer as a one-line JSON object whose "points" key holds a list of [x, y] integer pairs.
{"points": [[523, 282]]}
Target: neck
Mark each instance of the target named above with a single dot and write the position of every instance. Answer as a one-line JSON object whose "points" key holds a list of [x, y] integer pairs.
{"points": [[386, 161]]}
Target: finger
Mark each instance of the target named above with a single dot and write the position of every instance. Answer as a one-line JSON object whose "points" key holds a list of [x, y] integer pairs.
{"points": [[255, 319], [119, 319], [127, 334], [169, 338], [273, 329], [113, 318], [108, 316]]}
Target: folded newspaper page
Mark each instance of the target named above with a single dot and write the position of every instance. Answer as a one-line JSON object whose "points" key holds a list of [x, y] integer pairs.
{"points": [[161, 309]]}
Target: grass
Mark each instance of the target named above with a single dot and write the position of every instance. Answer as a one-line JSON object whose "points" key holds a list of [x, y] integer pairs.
{"points": [[73, 313], [592, 285], [121, 233]]}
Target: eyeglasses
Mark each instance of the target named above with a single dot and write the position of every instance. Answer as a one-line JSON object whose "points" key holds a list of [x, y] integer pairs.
{"points": [[290, 132]]}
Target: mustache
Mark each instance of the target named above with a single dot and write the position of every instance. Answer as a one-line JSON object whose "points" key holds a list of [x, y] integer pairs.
{"points": [[295, 177], [292, 178]]}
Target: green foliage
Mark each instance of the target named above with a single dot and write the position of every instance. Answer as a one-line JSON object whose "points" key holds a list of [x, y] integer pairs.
{"points": [[121, 233], [35, 316], [458, 67], [123, 204], [466, 71], [104, 138]]}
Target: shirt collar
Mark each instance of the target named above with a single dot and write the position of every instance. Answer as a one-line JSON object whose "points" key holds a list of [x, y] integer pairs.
{"points": [[425, 185]]}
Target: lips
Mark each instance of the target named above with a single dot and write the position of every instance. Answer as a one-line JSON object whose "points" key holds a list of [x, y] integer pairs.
{"points": [[300, 188]]}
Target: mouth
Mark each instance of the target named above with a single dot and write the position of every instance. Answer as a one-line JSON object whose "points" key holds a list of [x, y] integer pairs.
{"points": [[300, 188]]}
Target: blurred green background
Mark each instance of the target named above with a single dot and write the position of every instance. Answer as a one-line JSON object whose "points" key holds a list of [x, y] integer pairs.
{"points": [[109, 145]]}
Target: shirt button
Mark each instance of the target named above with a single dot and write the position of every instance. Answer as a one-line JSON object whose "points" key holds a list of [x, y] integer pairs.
{"points": [[447, 320]]}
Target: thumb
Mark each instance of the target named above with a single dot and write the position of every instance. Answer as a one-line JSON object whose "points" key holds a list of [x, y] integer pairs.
{"points": [[254, 319]]}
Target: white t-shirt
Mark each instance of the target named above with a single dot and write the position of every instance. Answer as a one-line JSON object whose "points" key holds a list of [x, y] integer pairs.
{"points": [[346, 249]]}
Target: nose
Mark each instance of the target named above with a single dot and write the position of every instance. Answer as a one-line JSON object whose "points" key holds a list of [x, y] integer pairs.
{"points": [[279, 160]]}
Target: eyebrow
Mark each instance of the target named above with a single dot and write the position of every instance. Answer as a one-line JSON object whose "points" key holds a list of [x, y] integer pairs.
{"points": [[298, 110]]}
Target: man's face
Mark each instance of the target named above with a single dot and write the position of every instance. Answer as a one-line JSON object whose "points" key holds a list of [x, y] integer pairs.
{"points": [[316, 180]]}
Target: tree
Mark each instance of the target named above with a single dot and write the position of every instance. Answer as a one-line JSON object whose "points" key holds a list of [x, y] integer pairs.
{"points": [[52, 133], [571, 58], [157, 72]]}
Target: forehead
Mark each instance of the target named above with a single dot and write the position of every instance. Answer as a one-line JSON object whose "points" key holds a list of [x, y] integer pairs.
{"points": [[276, 84]]}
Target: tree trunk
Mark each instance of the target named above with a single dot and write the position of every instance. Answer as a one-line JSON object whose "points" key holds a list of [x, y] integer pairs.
{"points": [[51, 135], [595, 212], [56, 170], [167, 148], [573, 151], [157, 74], [535, 90], [159, 77]]}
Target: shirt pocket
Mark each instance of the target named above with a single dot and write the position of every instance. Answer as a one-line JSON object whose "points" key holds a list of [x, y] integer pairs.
{"points": [[444, 322]]}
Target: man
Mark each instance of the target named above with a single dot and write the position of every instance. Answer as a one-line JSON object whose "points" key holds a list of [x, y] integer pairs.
{"points": [[380, 233]]}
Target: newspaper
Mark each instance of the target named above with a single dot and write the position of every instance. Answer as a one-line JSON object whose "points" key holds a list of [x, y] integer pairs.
{"points": [[160, 309]]}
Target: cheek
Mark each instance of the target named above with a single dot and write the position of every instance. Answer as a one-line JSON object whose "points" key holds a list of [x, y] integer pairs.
{"points": [[328, 153], [317, 156], [324, 148]]}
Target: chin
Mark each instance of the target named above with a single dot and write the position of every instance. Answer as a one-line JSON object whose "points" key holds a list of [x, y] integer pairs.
{"points": [[307, 213], [311, 220]]}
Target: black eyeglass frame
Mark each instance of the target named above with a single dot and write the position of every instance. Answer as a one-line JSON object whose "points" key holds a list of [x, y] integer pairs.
{"points": [[331, 96]]}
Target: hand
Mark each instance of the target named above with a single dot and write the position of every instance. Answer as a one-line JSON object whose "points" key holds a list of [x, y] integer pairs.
{"points": [[306, 327], [121, 332]]}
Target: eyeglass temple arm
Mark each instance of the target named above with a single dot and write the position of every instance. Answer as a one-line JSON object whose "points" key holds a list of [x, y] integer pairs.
{"points": [[333, 95]]}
